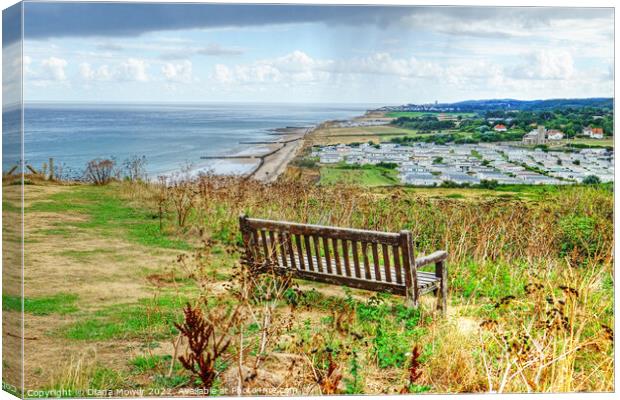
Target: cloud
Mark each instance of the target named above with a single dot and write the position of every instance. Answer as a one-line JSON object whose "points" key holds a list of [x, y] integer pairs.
{"points": [[217, 50], [293, 68], [178, 72], [133, 69], [130, 70], [88, 73], [110, 47], [545, 65], [54, 69], [132, 19], [12, 73], [211, 50], [223, 74], [539, 70]]}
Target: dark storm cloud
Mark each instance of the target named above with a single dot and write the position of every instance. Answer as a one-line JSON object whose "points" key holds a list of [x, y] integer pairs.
{"points": [[45, 20], [11, 24]]}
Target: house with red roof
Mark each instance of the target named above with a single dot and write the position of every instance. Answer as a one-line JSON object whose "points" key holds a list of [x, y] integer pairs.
{"points": [[594, 133], [500, 128]]}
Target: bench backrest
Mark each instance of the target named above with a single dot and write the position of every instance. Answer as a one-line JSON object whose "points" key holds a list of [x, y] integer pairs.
{"points": [[354, 257]]}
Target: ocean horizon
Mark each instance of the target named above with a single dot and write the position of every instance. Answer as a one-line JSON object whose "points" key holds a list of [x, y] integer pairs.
{"points": [[171, 136]]}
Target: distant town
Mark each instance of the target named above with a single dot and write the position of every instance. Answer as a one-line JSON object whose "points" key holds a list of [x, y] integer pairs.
{"points": [[491, 142], [429, 164]]}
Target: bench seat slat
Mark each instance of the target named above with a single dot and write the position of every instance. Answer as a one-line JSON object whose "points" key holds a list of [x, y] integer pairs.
{"points": [[426, 280]]}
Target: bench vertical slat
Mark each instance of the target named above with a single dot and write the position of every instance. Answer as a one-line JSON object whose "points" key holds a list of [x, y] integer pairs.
{"points": [[345, 256], [336, 256], [273, 247], [288, 240], [386, 262], [300, 253], [367, 272], [411, 280], [397, 264], [263, 237], [255, 245], [283, 248], [356, 259], [328, 257], [375, 258], [317, 252], [308, 253]]}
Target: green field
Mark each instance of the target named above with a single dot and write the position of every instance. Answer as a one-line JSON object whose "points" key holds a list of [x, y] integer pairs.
{"points": [[361, 176], [608, 141], [362, 134], [411, 114]]}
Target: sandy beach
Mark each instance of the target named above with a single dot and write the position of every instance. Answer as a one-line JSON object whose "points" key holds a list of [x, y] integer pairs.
{"points": [[264, 162], [284, 150]]}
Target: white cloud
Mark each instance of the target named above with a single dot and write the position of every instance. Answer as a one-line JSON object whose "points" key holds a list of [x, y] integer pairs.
{"points": [[53, 69], [12, 73], [133, 69], [88, 73], [223, 74], [178, 72], [543, 74], [546, 65]]}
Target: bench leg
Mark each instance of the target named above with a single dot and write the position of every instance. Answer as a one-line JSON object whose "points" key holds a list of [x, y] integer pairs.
{"points": [[441, 271], [412, 300]]}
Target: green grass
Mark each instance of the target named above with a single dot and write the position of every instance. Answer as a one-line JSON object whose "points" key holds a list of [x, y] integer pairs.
{"points": [[85, 255], [152, 318], [365, 176], [61, 303], [6, 206], [146, 363], [108, 214], [606, 142]]}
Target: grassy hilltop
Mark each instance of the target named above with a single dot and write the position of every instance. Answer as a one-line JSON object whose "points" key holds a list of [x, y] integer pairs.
{"points": [[109, 269]]}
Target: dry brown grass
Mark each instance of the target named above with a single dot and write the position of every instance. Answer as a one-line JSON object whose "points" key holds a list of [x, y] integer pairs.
{"points": [[502, 334]]}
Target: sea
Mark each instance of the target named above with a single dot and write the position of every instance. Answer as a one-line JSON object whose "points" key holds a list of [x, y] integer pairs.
{"points": [[171, 137]]}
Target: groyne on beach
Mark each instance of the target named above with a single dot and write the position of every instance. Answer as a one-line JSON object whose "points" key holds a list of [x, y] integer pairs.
{"points": [[272, 163]]}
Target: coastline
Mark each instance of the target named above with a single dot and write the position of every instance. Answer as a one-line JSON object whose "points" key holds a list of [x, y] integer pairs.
{"points": [[269, 159], [274, 163], [264, 162]]}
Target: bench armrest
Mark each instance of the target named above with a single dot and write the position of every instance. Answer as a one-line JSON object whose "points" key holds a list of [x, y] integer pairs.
{"points": [[431, 258]]}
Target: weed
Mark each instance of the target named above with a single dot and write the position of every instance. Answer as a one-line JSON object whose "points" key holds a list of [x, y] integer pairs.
{"points": [[204, 344], [354, 384]]}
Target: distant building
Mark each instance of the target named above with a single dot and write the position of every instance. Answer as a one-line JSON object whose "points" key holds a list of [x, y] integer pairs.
{"points": [[554, 134], [500, 128], [446, 117], [535, 136], [594, 133]]}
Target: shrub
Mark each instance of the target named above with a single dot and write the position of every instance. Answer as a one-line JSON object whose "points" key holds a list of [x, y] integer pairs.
{"points": [[390, 347], [134, 168], [305, 163], [100, 171], [591, 180], [488, 184], [578, 234]]}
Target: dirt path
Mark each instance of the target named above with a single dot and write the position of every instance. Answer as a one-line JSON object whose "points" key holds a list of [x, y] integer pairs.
{"points": [[94, 270]]}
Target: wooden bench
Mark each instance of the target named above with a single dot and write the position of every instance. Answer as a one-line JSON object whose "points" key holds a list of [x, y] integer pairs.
{"points": [[377, 261]]}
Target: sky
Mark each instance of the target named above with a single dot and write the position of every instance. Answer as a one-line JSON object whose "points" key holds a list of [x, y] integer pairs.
{"points": [[106, 52]]}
